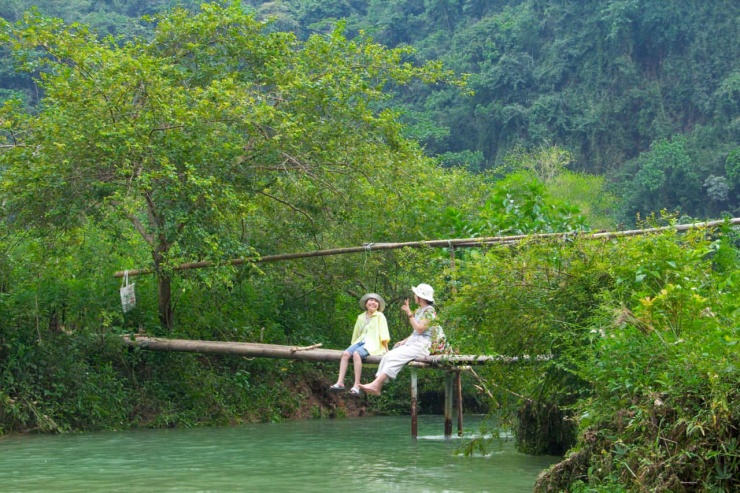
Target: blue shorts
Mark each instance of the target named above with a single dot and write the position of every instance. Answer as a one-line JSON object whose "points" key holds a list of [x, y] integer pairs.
{"points": [[358, 348]]}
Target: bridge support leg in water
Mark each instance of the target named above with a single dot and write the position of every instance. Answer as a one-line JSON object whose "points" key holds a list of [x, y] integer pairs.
{"points": [[448, 403], [458, 391], [414, 393]]}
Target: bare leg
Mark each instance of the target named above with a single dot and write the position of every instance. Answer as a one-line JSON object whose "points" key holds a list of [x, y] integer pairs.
{"points": [[376, 385], [358, 368], [343, 363]]}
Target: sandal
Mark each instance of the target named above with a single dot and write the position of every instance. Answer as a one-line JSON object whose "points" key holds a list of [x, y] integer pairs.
{"points": [[355, 391], [336, 388]]}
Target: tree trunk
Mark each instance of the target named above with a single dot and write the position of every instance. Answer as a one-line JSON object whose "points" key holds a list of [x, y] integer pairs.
{"points": [[164, 295], [164, 291]]}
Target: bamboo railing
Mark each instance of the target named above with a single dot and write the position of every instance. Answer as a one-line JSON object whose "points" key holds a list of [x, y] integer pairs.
{"points": [[451, 243]]}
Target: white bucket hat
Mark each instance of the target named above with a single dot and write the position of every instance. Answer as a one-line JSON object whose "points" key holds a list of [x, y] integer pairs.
{"points": [[376, 297], [424, 291]]}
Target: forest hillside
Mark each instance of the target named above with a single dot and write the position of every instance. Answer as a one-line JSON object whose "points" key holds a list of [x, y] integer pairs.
{"points": [[643, 92]]}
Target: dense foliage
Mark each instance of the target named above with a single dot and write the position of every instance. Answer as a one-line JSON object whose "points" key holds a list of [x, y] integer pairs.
{"points": [[616, 82], [662, 414], [177, 135], [610, 80], [214, 136], [643, 335], [102, 175]]}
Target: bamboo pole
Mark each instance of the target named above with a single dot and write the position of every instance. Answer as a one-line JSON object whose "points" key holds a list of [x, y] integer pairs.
{"points": [[452, 243]]}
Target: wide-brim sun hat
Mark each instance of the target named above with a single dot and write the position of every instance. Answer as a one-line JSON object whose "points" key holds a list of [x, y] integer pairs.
{"points": [[376, 297], [424, 291]]}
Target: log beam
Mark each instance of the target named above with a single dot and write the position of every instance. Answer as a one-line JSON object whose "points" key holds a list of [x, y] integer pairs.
{"points": [[258, 350]]}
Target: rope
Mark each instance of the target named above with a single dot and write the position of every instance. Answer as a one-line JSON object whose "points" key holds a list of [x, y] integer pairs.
{"points": [[368, 249]]}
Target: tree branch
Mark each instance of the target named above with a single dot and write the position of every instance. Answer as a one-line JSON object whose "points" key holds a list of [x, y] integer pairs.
{"points": [[138, 225], [291, 206]]}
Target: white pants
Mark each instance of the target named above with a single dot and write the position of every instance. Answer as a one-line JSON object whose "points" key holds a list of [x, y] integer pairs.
{"points": [[395, 359]]}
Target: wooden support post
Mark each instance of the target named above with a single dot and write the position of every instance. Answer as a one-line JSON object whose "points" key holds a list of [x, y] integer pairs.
{"points": [[414, 393], [448, 404], [458, 389]]}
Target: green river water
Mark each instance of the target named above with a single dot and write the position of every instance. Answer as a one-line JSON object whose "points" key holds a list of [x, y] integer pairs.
{"points": [[369, 454]]}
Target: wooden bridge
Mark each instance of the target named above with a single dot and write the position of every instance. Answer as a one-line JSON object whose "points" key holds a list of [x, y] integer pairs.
{"points": [[453, 364]]}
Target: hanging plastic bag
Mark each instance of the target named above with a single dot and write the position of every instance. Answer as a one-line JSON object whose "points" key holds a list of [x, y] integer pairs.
{"points": [[128, 295]]}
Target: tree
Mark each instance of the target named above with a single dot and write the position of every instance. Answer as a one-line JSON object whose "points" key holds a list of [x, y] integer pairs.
{"points": [[178, 134], [665, 178]]}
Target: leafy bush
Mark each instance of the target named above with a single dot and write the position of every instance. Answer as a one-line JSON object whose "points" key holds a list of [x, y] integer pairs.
{"points": [[662, 412]]}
